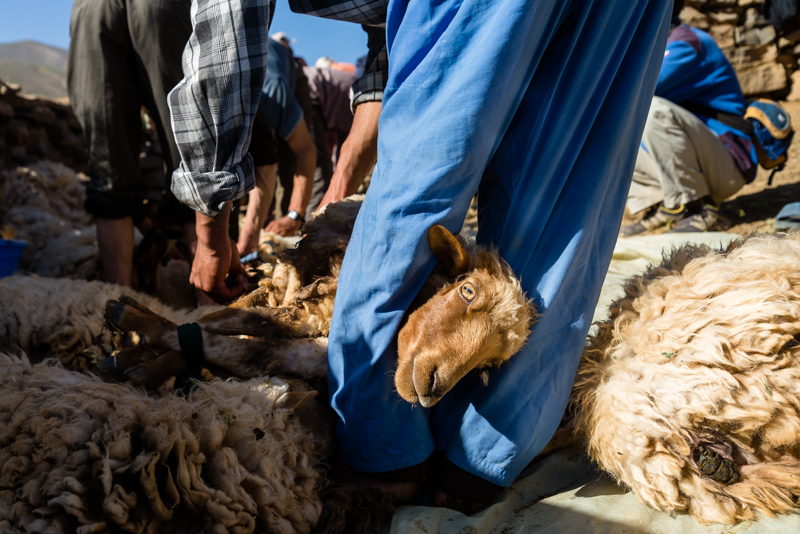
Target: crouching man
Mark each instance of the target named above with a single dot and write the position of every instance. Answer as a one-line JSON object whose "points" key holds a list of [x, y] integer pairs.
{"points": [[690, 158]]}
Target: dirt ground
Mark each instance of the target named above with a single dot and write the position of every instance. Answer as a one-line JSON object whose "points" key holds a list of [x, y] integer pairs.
{"points": [[753, 209]]}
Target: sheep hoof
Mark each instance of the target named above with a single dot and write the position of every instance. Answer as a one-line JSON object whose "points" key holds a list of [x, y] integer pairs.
{"points": [[140, 375], [124, 299], [114, 312], [109, 367]]}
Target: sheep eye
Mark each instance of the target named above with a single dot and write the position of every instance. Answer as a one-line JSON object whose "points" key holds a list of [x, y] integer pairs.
{"points": [[468, 291]]}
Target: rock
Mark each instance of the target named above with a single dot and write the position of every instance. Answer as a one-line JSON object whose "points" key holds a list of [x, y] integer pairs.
{"points": [[697, 4], [721, 17], [694, 18], [762, 79], [747, 3], [723, 35], [6, 111], [788, 61], [743, 57], [754, 36], [754, 19], [794, 95]]}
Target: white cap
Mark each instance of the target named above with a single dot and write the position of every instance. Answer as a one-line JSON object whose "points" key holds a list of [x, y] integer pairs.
{"points": [[324, 62], [281, 37]]}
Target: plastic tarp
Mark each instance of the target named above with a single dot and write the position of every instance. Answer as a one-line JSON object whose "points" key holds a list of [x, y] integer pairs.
{"points": [[564, 493]]}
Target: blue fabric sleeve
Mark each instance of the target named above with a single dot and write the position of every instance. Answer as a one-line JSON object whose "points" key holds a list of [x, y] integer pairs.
{"points": [[681, 62]]}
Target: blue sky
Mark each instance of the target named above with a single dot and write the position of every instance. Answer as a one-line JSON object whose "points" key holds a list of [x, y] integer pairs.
{"points": [[47, 21]]}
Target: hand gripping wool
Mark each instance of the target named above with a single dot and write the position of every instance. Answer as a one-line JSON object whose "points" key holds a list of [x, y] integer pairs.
{"points": [[689, 393], [81, 455]]}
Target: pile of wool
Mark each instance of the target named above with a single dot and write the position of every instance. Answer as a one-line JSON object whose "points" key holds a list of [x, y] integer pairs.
{"points": [[50, 317], [81, 455], [701, 359], [43, 205]]}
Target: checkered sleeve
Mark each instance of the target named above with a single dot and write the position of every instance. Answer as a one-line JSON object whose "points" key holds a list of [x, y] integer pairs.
{"points": [[359, 11], [212, 109], [369, 87]]}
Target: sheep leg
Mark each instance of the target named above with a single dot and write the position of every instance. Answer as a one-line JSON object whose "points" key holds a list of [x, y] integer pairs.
{"points": [[151, 374], [305, 320], [244, 357], [114, 366]]}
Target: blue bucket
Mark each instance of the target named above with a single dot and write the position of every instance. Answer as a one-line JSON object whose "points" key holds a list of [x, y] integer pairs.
{"points": [[10, 253]]}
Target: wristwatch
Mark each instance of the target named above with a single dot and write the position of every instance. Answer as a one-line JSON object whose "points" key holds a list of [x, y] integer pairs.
{"points": [[295, 216]]}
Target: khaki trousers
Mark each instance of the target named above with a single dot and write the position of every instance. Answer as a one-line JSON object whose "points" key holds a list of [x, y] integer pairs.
{"points": [[680, 160]]}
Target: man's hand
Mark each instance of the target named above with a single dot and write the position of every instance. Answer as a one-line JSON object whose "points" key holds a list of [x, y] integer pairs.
{"points": [[284, 226], [216, 259]]}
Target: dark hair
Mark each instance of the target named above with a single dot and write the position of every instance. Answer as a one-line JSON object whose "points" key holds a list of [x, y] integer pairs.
{"points": [[677, 7]]}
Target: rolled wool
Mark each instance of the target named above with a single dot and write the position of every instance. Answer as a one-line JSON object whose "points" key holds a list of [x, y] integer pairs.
{"points": [[702, 349], [82, 455]]}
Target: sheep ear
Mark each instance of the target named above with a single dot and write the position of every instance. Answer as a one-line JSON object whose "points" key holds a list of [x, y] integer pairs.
{"points": [[449, 250]]}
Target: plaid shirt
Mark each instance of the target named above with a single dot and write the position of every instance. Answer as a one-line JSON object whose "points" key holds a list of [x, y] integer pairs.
{"points": [[369, 88], [224, 66]]}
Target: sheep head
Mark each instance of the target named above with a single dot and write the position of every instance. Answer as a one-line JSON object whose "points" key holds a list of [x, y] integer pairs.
{"points": [[480, 319]]}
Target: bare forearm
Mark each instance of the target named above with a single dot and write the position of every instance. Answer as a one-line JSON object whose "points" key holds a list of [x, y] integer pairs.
{"points": [[213, 230], [359, 153]]}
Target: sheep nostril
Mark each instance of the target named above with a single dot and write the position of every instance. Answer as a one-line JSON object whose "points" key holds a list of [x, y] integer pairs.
{"points": [[434, 381]]}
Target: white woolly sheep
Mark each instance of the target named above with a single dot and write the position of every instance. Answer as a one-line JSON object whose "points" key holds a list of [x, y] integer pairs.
{"points": [[689, 394], [81, 455]]}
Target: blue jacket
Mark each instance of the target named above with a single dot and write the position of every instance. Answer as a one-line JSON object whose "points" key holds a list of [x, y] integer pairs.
{"points": [[695, 71]]}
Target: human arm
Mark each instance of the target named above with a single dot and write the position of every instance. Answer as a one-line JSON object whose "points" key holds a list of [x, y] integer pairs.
{"points": [[258, 204], [212, 111], [300, 143], [358, 155], [216, 258]]}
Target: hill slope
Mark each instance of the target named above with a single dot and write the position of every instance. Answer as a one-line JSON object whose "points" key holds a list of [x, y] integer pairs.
{"points": [[36, 54]]}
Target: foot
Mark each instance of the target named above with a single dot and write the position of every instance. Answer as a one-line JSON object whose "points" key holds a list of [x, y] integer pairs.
{"points": [[662, 217], [708, 220]]}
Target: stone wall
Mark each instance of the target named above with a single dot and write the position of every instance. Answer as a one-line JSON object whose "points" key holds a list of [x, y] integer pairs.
{"points": [[765, 62], [34, 129]]}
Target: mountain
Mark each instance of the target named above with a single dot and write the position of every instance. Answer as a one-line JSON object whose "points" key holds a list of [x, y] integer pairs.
{"points": [[39, 68], [36, 54]]}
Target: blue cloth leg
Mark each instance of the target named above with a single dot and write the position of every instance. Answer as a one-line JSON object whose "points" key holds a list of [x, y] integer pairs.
{"points": [[458, 74], [552, 199]]}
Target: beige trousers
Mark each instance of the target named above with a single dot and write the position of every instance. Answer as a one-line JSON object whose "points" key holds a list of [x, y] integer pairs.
{"points": [[680, 160]]}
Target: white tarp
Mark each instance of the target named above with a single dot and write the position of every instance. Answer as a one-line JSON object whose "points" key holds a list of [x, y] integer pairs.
{"points": [[563, 493]]}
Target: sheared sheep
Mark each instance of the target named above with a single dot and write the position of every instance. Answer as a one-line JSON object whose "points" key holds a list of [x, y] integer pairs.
{"points": [[81, 455], [49, 317], [471, 294], [689, 394]]}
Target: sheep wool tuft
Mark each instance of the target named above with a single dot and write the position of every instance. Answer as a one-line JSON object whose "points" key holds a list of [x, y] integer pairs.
{"points": [[689, 394], [81, 455]]}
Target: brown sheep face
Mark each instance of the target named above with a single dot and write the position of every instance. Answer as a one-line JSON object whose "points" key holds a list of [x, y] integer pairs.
{"points": [[480, 320]]}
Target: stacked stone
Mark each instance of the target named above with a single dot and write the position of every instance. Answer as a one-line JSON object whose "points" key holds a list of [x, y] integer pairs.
{"points": [[33, 129], [765, 63]]}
